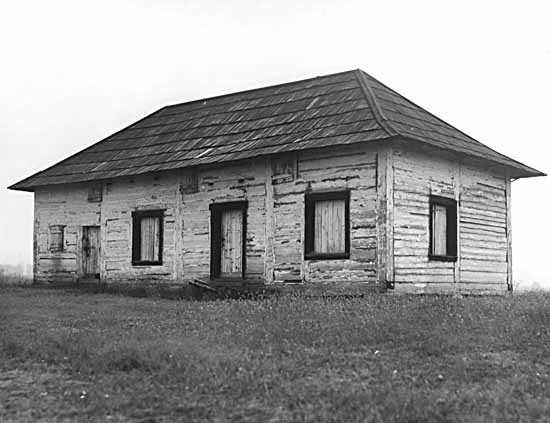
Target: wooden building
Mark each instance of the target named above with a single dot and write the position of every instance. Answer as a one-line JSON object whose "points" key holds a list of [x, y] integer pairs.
{"points": [[332, 179]]}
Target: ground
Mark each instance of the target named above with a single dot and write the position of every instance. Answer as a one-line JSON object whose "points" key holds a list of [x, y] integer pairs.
{"points": [[69, 356]]}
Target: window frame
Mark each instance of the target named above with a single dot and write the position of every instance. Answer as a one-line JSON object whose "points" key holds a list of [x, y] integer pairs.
{"points": [[278, 162], [61, 230], [95, 193], [451, 235], [309, 242], [136, 236]]}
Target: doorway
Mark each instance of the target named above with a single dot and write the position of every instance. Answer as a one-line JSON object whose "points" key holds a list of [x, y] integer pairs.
{"points": [[228, 240], [90, 252]]}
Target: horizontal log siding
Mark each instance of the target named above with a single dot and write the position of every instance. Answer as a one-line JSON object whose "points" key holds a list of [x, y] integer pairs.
{"points": [[59, 206], [275, 220], [481, 264], [186, 225], [352, 168], [218, 185], [483, 228], [122, 197]]}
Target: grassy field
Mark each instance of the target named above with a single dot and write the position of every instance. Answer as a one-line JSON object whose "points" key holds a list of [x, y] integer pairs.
{"points": [[67, 356]]}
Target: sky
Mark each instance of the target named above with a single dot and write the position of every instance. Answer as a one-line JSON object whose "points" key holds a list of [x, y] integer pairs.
{"points": [[73, 72]]}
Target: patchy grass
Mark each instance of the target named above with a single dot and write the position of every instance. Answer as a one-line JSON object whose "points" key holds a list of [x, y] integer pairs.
{"points": [[67, 356], [14, 280]]}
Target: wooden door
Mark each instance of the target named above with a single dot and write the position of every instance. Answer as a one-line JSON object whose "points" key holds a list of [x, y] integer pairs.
{"points": [[90, 251], [231, 259], [330, 226], [228, 234]]}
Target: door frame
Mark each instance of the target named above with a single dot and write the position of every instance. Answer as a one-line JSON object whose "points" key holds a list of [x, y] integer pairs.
{"points": [[216, 210], [86, 229]]}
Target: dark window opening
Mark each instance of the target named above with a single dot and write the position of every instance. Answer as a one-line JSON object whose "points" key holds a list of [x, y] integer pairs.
{"points": [[443, 234], [95, 194], [327, 233], [283, 168], [56, 238], [147, 237], [190, 182]]}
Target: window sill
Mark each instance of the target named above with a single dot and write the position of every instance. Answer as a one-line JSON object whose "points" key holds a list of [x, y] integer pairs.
{"points": [[326, 256], [147, 263], [441, 258]]}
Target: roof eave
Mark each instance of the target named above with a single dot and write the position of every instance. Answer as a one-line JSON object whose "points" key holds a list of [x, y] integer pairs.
{"points": [[531, 173], [516, 169], [21, 186]]}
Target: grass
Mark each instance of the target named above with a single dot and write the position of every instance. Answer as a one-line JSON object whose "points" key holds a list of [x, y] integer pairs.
{"points": [[69, 356], [14, 279]]}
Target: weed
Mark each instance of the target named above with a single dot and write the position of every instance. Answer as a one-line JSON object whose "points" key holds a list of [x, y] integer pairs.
{"points": [[283, 358]]}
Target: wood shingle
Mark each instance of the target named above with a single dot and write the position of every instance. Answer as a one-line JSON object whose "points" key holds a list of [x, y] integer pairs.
{"points": [[338, 109]]}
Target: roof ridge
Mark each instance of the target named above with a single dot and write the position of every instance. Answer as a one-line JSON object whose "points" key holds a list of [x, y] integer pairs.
{"points": [[374, 105], [423, 109], [362, 91], [282, 84], [438, 119]]}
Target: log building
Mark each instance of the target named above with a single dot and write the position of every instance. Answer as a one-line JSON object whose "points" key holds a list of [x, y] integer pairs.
{"points": [[332, 179]]}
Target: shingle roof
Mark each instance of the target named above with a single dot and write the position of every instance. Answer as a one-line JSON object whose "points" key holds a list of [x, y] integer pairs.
{"points": [[337, 109]]}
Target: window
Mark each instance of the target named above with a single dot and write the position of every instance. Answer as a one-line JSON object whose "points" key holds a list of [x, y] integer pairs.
{"points": [[442, 229], [283, 168], [327, 225], [189, 182], [147, 237], [56, 238], [95, 193]]}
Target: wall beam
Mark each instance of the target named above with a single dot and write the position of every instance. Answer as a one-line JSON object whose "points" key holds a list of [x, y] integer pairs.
{"points": [[509, 278], [384, 216]]}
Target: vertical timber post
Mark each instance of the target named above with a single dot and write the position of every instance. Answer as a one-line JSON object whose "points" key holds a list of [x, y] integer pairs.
{"points": [[178, 229], [509, 279], [269, 260], [103, 235], [457, 190], [384, 216], [35, 246]]}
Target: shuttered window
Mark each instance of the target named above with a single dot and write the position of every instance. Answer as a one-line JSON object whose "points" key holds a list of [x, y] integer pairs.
{"points": [[150, 237], [443, 237], [147, 237], [56, 238], [327, 225], [283, 168], [95, 193], [439, 233], [330, 226]]}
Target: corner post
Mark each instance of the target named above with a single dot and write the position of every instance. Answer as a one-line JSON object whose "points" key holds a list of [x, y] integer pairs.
{"points": [[457, 191], [178, 228], [269, 261], [35, 247], [384, 216], [103, 234], [509, 279]]}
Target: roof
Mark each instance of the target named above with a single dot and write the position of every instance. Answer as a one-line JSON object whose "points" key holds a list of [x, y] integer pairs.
{"points": [[343, 108]]}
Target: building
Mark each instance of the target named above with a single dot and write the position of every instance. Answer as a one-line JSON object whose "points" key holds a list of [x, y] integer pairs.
{"points": [[331, 179]]}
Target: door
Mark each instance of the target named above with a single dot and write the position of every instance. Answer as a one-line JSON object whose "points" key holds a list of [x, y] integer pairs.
{"points": [[90, 251], [228, 234], [231, 243]]}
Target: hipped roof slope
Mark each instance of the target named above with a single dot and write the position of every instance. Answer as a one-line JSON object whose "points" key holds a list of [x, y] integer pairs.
{"points": [[337, 109]]}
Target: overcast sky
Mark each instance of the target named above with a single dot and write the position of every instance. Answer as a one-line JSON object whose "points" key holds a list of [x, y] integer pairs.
{"points": [[73, 72]]}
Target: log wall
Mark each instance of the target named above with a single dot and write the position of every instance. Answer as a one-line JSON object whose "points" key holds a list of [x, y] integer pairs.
{"points": [[481, 265], [68, 207], [389, 220], [352, 168], [275, 219]]}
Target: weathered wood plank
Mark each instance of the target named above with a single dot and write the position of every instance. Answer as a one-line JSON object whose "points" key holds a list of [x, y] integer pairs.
{"points": [[509, 278]]}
